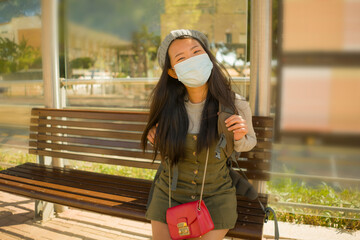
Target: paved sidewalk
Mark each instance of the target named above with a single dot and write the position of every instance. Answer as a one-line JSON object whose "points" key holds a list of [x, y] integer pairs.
{"points": [[16, 222]]}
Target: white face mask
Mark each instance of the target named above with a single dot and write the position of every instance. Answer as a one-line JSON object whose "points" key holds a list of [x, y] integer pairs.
{"points": [[195, 71]]}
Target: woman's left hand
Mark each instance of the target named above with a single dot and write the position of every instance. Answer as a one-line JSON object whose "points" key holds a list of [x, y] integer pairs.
{"points": [[237, 125]]}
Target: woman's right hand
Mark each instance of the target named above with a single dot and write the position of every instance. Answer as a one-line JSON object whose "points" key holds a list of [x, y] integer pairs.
{"points": [[151, 135]]}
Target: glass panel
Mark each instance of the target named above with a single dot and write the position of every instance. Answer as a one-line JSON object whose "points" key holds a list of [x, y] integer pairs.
{"points": [[111, 46], [316, 161], [21, 84]]}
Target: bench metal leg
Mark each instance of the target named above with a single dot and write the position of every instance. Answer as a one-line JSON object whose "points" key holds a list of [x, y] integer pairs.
{"points": [[43, 210]]}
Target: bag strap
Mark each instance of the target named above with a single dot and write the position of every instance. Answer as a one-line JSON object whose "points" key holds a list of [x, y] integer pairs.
{"points": [[202, 186], [267, 211]]}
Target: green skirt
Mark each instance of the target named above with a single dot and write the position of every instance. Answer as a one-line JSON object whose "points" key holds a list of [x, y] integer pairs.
{"points": [[219, 195], [222, 208]]}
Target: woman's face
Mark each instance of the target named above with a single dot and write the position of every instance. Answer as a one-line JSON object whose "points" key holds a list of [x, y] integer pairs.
{"points": [[182, 49]]}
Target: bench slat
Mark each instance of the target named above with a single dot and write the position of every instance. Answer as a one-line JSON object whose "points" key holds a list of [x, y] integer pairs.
{"points": [[66, 189], [91, 175], [257, 175], [82, 183], [256, 155], [117, 182], [262, 121], [89, 141], [261, 144], [73, 200], [250, 218], [105, 160], [250, 211], [89, 124], [254, 164], [246, 231], [91, 133], [95, 150], [263, 133], [91, 114], [29, 187]]}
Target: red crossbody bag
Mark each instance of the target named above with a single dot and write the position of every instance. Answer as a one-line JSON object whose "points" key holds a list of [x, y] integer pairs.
{"points": [[189, 220]]}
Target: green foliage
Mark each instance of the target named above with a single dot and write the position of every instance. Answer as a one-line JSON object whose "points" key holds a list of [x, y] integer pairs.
{"points": [[83, 63], [16, 157], [16, 57], [145, 45], [288, 191], [114, 170], [324, 221]]}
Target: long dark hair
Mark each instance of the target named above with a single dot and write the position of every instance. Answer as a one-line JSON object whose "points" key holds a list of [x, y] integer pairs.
{"points": [[167, 109]]}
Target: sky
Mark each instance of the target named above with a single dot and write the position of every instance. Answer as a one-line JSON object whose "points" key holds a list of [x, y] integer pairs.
{"points": [[117, 17]]}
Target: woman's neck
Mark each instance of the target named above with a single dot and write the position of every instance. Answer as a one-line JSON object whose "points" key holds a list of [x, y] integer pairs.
{"points": [[197, 94]]}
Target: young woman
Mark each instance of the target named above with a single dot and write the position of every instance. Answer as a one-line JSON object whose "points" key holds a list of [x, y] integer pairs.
{"points": [[183, 125]]}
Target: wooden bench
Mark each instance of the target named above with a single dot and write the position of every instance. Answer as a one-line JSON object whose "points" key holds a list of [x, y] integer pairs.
{"points": [[113, 137]]}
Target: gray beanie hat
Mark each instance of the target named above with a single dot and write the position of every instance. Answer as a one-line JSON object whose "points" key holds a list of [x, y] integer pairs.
{"points": [[162, 51]]}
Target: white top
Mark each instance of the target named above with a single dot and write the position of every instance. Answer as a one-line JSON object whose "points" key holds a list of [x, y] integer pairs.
{"points": [[194, 111]]}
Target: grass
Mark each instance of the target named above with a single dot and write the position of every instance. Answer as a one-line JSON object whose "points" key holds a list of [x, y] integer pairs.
{"points": [[281, 190], [115, 170], [286, 190], [292, 191], [15, 156], [19, 157]]}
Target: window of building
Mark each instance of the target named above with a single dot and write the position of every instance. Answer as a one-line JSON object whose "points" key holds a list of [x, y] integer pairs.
{"points": [[228, 38]]}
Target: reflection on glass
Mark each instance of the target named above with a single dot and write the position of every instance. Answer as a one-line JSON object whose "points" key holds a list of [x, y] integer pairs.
{"points": [[20, 49], [111, 46], [21, 84]]}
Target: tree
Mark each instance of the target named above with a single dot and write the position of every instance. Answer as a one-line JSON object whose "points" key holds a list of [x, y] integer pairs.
{"points": [[84, 63], [15, 57], [145, 45]]}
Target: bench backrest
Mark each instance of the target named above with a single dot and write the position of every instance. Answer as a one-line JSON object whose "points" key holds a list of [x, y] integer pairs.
{"points": [[113, 137]]}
